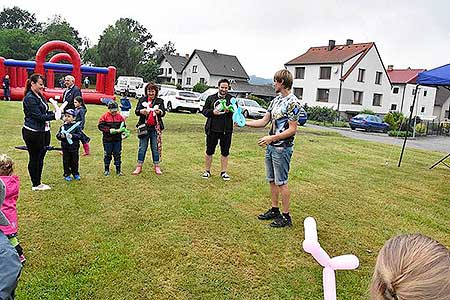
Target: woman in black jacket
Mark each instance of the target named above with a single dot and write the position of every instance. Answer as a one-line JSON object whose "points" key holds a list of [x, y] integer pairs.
{"points": [[36, 128], [150, 110]]}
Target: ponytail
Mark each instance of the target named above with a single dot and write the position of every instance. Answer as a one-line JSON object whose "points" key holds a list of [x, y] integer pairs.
{"points": [[33, 79]]}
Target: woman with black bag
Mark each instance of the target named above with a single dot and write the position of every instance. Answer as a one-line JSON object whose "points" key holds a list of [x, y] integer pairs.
{"points": [[150, 110]]}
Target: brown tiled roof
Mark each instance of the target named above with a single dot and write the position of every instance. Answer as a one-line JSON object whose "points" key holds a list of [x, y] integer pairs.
{"points": [[339, 54], [404, 76]]}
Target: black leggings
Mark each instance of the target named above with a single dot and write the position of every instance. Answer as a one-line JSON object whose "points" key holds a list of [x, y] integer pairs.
{"points": [[37, 143]]}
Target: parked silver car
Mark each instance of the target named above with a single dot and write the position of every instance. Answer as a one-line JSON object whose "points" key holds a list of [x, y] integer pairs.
{"points": [[251, 108]]}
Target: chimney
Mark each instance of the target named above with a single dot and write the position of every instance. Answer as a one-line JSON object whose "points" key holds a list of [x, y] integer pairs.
{"points": [[186, 55], [215, 52], [390, 67], [349, 42], [331, 44]]}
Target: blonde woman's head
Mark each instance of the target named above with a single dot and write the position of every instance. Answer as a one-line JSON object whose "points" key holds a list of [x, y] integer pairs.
{"points": [[6, 165], [411, 267]]}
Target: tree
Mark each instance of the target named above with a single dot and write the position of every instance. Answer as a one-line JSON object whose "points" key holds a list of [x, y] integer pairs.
{"points": [[167, 48], [17, 44], [200, 87], [58, 28], [124, 45], [17, 18], [148, 70]]}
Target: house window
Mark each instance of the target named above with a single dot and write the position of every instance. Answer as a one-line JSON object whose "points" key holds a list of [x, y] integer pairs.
{"points": [[322, 95], [170, 71], [357, 97], [188, 80], [180, 81], [202, 80], [325, 73], [300, 73], [161, 71], [422, 110], [361, 73], [395, 90], [376, 100], [394, 107], [194, 69], [298, 92], [378, 78], [413, 92], [424, 93]]}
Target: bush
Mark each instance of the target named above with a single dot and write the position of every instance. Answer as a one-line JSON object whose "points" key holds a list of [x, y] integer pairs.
{"points": [[367, 112], [321, 114], [200, 87], [421, 129], [396, 121], [396, 133]]}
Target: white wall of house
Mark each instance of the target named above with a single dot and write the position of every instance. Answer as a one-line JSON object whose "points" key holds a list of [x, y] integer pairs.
{"points": [[195, 70], [425, 100], [168, 71], [371, 63], [442, 112]]}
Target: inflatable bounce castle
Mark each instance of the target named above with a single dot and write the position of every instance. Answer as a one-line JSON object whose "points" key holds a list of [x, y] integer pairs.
{"points": [[19, 70]]}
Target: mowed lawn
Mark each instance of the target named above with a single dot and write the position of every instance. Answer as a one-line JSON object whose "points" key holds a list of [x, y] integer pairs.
{"points": [[179, 236]]}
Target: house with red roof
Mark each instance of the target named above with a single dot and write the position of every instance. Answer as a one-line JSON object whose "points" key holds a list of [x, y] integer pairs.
{"points": [[348, 78], [403, 91]]}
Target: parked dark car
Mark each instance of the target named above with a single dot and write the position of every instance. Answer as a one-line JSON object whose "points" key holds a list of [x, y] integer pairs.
{"points": [[368, 123], [303, 117]]}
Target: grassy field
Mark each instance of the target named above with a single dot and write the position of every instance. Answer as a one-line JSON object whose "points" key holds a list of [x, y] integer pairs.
{"points": [[178, 236]]}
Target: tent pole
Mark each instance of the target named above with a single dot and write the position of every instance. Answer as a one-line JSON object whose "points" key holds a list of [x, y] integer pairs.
{"points": [[411, 109]]}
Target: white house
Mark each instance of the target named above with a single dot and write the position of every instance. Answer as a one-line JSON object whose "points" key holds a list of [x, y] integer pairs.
{"points": [[210, 67], [171, 67], [403, 91], [348, 78]]}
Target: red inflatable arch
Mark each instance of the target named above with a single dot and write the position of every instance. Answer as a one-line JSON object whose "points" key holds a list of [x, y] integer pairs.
{"points": [[59, 45], [55, 59], [18, 72]]}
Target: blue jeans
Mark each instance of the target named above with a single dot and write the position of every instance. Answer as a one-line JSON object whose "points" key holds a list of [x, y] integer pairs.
{"points": [[143, 145], [112, 149], [278, 160]]}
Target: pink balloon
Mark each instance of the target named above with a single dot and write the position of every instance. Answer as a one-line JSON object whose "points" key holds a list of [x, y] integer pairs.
{"points": [[317, 252], [344, 262], [329, 284], [310, 229]]}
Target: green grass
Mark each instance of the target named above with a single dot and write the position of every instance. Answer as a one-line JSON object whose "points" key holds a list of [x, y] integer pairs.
{"points": [[181, 237]]}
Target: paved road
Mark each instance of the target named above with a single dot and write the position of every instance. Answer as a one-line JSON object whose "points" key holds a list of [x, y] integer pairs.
{"points": [[432, 143]]}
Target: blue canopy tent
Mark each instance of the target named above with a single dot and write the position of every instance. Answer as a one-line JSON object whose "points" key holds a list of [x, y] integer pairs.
{"points": [[438, 77]]}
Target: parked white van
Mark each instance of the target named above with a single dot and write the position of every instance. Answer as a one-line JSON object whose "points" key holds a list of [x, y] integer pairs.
{"points": [[134, 85]]}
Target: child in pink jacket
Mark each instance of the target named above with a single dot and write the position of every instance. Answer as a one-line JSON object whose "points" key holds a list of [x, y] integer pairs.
{"points": [[8, 208]]}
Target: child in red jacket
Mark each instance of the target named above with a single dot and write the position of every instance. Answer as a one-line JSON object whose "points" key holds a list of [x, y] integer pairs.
{"points": [[10, 193]]}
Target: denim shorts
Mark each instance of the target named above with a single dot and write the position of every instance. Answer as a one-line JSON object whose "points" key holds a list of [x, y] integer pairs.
{"points": [[278, 160]]}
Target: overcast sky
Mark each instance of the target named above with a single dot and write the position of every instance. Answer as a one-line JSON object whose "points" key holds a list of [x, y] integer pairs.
{"points": [[265, 34]]}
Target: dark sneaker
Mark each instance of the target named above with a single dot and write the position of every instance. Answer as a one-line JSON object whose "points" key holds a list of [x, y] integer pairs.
{"points": [[206, 175], [281, 222], [67, 178], [269, 215], [76, 177], [106, 173], [119, 173], [225, 176]]}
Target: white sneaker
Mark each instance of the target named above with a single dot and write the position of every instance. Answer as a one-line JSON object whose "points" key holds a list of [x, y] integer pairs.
{"points": [[41, 187], [225, 176]]}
